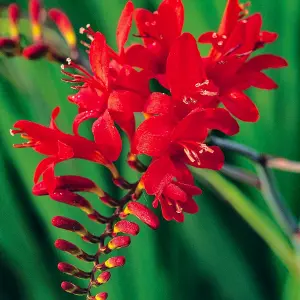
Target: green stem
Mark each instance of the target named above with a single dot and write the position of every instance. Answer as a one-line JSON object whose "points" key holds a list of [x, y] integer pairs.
{"points": [[255, 218]]}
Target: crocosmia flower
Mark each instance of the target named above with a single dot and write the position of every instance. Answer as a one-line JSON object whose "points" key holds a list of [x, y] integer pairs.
{"points": [[193, 96]]}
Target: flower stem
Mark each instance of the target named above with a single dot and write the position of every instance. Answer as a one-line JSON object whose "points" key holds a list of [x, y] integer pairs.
{"points": [[267, 184], [254, 217]]}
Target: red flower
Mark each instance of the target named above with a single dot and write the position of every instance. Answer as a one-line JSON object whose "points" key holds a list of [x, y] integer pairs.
{"points": [[184, 140], [59, 146], [228, 65], [174, 196], [107, 95], [158, 31]]}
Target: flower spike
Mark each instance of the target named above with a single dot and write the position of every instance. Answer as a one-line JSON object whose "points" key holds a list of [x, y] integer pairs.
{"points": [[177, 126]]}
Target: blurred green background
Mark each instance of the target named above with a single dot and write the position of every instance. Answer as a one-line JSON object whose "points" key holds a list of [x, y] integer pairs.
{"points": [[214, 255]]}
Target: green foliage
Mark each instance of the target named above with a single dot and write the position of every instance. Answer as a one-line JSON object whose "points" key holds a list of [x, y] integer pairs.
{"points": [[214, 255]]}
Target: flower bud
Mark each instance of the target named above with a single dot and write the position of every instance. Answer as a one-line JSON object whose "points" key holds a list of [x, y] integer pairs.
{"points": [[103, 278], [73, 271], [69, 183], [114, 262], [73, 289], [35, 51], [65, 27], [101, 296], [74, 226], [119, 242], [35, 15], [68, 247], [73, 200], [7, 45], [127, 227], [14, 16], [143, 213]]}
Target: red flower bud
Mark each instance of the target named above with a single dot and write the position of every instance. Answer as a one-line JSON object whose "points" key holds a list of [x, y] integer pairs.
{"points": [[127, 227], [71, 270], [69, 183], [7, 45], [103, 278], [114, 262], [64, 25], [119, 242], [101, 296], [68, 247], [143, 213], [74, 226], [73, 200], [35, 14], [72, 288], [35, 51], [14, 15]]}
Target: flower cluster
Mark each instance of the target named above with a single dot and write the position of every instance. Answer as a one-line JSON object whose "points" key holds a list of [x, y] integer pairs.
{"points": [[42, 45], [201, 94]]}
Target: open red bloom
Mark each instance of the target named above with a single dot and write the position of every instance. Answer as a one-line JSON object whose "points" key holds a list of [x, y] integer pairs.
{"points": [[185, 140], [114, 93], [175, 196], [60, 146], [158, 31], [228, 64]]}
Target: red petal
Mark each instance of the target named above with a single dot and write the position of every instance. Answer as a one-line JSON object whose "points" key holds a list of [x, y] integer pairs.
{"points": [[184, 66], [206, 38], [124, 25], [230, 17], [125, 102], [264, 61], [258, 80], [183, 173], [146, 23], [84, 116], [49, 178], [189, 189], [42, 167], [99, 58], [132, 80], [174, 192], [160, 173], [240, 105], [171, 17], [139, 56], [54, 115], [64, 151], [167, 210], [213, 161], [268, 37], [127, 124], [153, 136], [190, 206], [107, 136], [158, 104]]}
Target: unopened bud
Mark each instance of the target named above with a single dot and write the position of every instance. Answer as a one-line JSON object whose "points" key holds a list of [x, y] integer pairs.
{"points": [[127, 227], [101, 296], [114, 262], [69, 183], [74, 226], [8, 45], [73, 200], [64, 25], [35, 15], [73, 288], [143, 213], [14, 15], [119, 242], [35, 51], [103, 277], [73, 271], [68, 247]]}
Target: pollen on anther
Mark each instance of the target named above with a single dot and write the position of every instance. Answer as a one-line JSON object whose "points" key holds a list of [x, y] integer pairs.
{"points": [[69, 60], [11, 132], [81, 30], [62, 66]]}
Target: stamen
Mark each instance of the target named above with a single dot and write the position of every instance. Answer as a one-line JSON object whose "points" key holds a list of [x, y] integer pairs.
{"points": [[179, 209]]}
